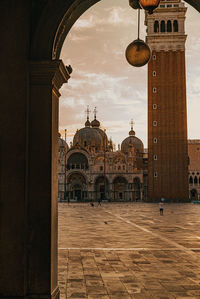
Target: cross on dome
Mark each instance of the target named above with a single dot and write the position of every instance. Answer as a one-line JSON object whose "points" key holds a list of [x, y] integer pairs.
{"points": [[132, 133]]}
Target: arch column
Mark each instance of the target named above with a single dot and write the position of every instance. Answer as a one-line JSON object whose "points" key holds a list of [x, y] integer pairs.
{"points": [[46, 78]]}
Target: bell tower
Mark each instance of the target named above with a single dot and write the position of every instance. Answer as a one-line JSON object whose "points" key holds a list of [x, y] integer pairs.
{"points": [[167, 114]]}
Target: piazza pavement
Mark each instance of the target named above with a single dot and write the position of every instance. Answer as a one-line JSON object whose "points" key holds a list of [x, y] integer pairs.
{"points": [[127, 250]]}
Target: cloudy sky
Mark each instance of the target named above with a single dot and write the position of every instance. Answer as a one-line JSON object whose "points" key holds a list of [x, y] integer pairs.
{"points": [[101, 76]]}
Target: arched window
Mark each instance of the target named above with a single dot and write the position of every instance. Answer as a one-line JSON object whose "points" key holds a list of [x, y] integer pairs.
{"points": [[169, 26], [195, 180], [162, 26], [199, 180], [191, 180], [175, 26], [156, 26]]}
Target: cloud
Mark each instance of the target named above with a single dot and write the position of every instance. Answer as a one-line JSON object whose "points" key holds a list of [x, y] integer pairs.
{"points": [[101, 76]]}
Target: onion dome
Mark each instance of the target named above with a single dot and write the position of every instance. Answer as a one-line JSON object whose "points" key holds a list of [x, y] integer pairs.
{"points": [[95, 123], [87, 137], [87, 123], [132, 141]]}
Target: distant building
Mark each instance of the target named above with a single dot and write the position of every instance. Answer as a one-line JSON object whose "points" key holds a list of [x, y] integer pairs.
{"points": [[91, 169], [194, 168]]}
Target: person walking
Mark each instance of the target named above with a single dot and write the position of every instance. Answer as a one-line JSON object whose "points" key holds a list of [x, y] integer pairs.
{"points": [[161, 206]]}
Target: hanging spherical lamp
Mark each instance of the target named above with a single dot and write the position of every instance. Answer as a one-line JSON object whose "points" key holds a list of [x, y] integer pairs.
{"points": [[149, 5], [138, 53]]}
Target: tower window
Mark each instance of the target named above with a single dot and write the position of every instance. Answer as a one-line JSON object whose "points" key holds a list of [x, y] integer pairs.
{"points": [[162, 26], [156, 26], [154, 106], [169, 5], [101, 168], [155, 174], [169, 26], [162, 5], [175, 26], [195, 180], [154, 89], [154, 57], [154, 73], [176, 5], [155, 157], [154, 123], [155, 140]]}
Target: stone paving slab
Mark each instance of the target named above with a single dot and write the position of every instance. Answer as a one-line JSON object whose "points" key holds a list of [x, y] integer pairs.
{"points": [[129, 251]]}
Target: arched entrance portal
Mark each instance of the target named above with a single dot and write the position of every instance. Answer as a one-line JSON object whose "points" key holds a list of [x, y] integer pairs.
{"points": [[193, 194], [120, 186], [101, 188], [31, 66], [76, 187]]}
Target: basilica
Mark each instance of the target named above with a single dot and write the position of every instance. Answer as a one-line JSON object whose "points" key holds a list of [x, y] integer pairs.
{"points": [[91, 169]]}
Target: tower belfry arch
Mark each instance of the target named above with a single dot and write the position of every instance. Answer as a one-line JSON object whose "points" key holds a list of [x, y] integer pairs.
{"points": [[31, 76]]}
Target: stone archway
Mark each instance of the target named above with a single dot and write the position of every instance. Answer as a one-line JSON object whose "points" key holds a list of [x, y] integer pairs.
{"points": [[76, 186], [120, 186], [56, 21], [31, 76], [102, 188]]}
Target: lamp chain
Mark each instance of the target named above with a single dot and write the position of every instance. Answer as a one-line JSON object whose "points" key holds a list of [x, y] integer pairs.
{"points": [[138, 23]]}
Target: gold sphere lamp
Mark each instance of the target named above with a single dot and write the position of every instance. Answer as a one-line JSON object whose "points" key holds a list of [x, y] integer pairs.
{"points": [[138, 52]]}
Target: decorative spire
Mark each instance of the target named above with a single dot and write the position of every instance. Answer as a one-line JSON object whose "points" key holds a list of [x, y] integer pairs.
{"points": [[95, 123], [132, 133], [87, 112], [132, 123], [95, 112], [87, 123]]}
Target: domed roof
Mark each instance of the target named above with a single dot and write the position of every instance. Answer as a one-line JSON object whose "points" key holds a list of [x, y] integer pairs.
{"points": [[132, 141], [87, 137], [62, 143], [87, 123], [95, 123], [103, 135]]}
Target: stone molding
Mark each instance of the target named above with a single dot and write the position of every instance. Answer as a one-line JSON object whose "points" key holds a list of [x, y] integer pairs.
{"points": [[44, 73], [166, 43]]}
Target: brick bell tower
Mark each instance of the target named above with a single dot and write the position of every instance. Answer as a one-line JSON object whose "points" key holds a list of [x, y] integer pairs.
{"points": [[167, 114]]}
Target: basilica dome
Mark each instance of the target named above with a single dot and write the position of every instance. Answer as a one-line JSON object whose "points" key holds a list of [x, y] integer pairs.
{"points": [[62, 143], [132, 141], [88, 137]]}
